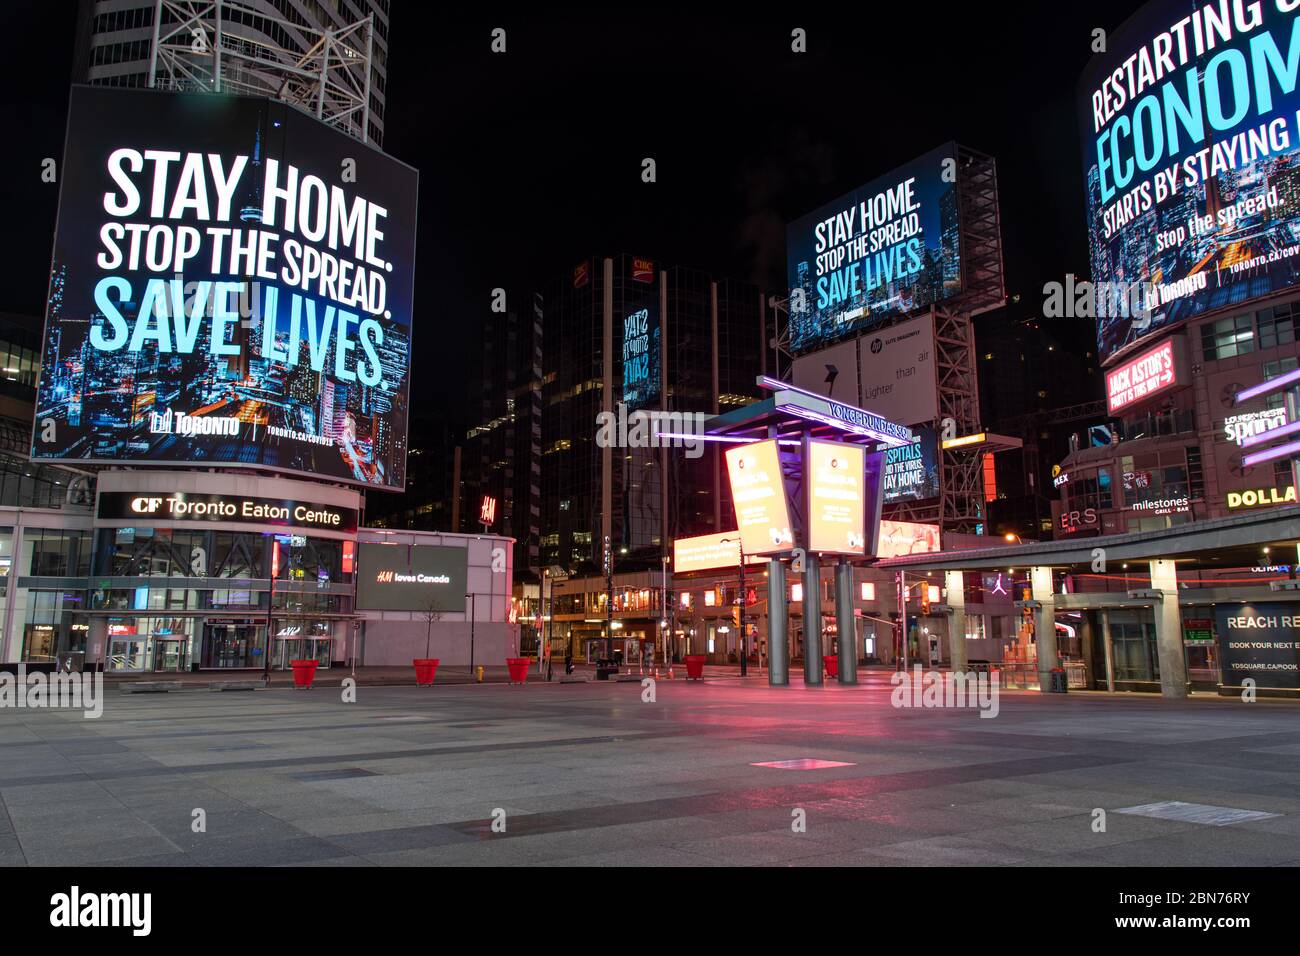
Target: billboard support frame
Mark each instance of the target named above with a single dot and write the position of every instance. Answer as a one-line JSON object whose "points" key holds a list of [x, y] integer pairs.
{"points": [[335, 89]]}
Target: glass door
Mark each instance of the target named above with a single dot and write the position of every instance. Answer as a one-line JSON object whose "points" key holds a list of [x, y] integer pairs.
{"points": [[169, 654], [232, 644], [126, 654]]}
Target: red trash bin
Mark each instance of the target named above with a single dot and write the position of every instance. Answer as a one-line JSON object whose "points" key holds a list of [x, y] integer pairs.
{"points": [[425, 670], [517, 667], [695, 666], [304, 672], [832, 664]]}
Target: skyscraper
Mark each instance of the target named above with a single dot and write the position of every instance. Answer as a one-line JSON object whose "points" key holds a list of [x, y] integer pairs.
{"points": [[114, 47]]}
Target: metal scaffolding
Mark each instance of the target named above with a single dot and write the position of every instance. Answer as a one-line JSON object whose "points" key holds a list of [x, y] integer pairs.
{"points": [[225, 46], [960, 506]]}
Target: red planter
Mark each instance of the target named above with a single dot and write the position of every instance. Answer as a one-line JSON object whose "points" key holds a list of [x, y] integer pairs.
{"points": [[695, 666], [832, 665], [518, 669], [304, 672], [425, 670]]}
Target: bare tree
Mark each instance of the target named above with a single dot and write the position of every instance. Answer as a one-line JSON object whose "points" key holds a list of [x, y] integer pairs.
{"points": [[430, 614]]}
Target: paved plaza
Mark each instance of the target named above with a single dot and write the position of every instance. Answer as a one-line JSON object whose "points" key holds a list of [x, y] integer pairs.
{"points": [[590, 775]]}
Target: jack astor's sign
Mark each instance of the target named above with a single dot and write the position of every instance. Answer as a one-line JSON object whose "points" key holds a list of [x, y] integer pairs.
{"points": [[204, 509]]}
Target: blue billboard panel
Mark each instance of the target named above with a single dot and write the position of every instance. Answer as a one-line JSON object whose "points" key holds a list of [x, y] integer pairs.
{"points": [[1190, 137], [231, 285], [911, 471], [886, 249], [641, 357]]}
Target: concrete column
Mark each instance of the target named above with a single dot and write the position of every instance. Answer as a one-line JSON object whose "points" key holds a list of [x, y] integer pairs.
{"points": [[778, 641], [812, 621], [1169, 631], [955, 582], [1108, 650], [1040, 582], [846, 624], [1088, 641]]}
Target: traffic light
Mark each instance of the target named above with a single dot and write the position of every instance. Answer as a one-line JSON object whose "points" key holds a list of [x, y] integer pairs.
{"points": [[735, 616], [925, 599]]}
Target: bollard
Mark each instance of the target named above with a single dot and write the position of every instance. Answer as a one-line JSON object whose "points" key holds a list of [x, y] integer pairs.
{"points": [[478, 673]]}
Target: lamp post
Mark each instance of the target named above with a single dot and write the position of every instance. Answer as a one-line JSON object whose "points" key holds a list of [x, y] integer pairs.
{"points": [[663, 609], [270, 611], [740, 604], [609, 601], [471, 597]]}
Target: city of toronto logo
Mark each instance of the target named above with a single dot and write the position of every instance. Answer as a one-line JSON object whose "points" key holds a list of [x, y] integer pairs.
{"points": [[651, 429], [179, 423], [61, 690], [924, 689]]}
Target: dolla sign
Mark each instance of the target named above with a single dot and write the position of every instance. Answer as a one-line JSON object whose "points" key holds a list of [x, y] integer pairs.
{"points": [[220, 293]]}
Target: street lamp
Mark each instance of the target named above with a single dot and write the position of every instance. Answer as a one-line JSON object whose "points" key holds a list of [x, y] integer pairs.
{"points": [[740, 604], [471, 597], [664, 608]]}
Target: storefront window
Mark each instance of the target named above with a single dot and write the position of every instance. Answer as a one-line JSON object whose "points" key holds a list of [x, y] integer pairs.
{"points": [[310, 559], [56, 553], [1133, 640], [55, 628]]}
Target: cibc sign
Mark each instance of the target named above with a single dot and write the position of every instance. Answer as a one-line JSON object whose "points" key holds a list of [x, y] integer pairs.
{"points": [[1146, 375], [207, 508]]}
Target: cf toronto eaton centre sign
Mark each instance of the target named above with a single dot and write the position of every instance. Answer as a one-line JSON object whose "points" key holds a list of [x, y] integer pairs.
{"points": [[184, 506]]}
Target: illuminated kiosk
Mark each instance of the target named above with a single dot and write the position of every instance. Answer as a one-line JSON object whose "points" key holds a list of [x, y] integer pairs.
{"points": [[787, 430]]}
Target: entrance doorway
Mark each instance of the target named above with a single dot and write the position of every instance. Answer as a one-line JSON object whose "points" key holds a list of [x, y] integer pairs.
{"points": [[233, 644]]}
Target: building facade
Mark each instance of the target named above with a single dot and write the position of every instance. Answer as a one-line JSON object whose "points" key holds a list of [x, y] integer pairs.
{"points": [[625, 331], [114, 41]]}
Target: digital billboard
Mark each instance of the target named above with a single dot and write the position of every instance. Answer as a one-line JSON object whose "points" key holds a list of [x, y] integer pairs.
{"points": [[899, 538], [758, 495], [834, 476], [1189, 130], [231, 285], [912, 470], [707, 552], [641, 357], [401, 577], [885, 249]]}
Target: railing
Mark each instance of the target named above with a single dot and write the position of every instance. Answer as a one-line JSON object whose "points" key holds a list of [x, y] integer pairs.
{"points": [[1023, 675]]}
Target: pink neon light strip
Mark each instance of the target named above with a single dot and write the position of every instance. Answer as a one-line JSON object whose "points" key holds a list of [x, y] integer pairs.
{"points": [[1271, 385], [1271, 454]]}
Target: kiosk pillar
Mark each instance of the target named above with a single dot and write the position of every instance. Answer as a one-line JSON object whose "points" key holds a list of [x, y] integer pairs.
{"points": [[778, 638], [845, 623], [812, 621]]}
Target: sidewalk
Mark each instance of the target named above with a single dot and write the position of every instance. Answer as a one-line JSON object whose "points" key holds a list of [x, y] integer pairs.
{"points": [[375, 676], [333, 677]]}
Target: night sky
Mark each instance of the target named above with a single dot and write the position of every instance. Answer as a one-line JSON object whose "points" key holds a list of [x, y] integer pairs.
{"points": [[531, 160]]}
